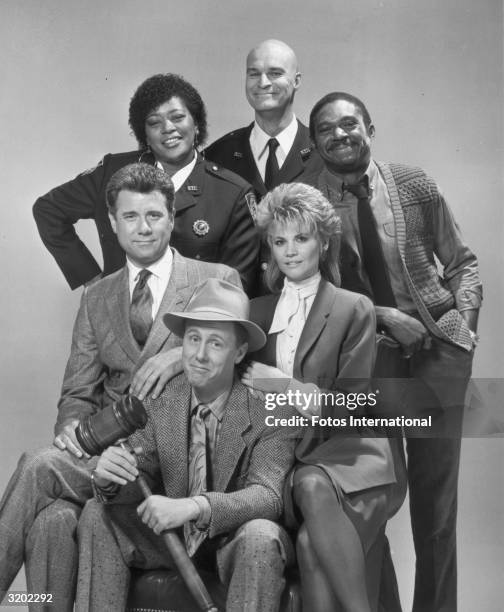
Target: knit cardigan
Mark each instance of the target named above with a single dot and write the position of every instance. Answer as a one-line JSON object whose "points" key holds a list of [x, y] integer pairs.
{"points": [[413, 196]]}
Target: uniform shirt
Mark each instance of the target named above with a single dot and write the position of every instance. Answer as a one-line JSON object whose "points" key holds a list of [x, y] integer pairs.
{"points": [[259, 144], [157, 281], [181, 176], [346, 206]]}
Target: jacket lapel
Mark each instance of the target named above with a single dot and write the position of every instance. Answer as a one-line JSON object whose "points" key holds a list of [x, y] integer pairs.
{"points": [[175, 298], [230, 445], [173, 426], [263, 316], [192, 188], [118, 303], [294, 164], [397, 212], [249, 170], [315, 323]]}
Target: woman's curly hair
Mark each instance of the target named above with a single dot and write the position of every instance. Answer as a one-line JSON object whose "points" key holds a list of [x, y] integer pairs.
{"points": [[157, 90]]}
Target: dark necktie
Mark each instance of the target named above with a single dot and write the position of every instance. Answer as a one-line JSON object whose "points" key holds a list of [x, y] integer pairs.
{"points": [[272, 169], [141, 309], [372, 252], [199, 473]]}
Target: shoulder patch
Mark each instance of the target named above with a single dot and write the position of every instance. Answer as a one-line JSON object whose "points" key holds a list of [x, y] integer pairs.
{"points": [[252, 204]]}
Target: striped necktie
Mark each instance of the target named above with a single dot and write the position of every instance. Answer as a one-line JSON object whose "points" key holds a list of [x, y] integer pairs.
{"points": [[198, 472], [141, 309]]}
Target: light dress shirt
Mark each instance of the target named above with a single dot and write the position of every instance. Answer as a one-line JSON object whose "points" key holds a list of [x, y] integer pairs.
{"points": [[290, 317], [181, 176], [259, 144], [346, 206], [157, 281]]}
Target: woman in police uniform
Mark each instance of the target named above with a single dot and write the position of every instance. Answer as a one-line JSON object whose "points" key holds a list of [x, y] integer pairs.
{"points": [[213, 206]]}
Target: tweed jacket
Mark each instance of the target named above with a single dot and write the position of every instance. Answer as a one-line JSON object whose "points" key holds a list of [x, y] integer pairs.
{"points": [[336, 351], [219, 199], [104, 355], [425, 231], [252, 459], [233, 152]]}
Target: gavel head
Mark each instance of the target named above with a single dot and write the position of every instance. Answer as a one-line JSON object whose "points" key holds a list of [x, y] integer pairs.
{"points": [[118, 420]]}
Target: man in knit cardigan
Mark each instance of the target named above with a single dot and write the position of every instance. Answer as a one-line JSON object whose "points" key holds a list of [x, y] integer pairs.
{"points": [[397, 229]]}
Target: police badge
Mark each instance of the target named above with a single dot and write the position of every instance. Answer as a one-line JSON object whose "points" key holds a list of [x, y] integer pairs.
{"points": [[201, 227]]}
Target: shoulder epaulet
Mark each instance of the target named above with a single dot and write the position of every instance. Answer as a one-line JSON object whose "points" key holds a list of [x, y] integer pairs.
{"points": [[229, 136], [128, 157], [225, 174]]}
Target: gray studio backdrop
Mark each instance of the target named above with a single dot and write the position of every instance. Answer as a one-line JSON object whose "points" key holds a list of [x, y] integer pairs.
{"points": [[431, 74]]}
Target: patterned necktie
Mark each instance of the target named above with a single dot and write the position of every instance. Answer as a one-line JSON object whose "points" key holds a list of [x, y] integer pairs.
{"points": [[141, 309], [198, 472], [372, 253], [272, 169]]}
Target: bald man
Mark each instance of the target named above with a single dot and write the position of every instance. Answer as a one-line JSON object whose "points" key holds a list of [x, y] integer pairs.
{"points": [[276, 147]]}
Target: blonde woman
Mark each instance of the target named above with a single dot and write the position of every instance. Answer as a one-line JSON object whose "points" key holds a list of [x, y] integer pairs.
{"points": [[321, 337]]}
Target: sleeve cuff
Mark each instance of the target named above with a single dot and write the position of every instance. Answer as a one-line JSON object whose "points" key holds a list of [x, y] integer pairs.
{"points": [[205, 512], [103, 494]]}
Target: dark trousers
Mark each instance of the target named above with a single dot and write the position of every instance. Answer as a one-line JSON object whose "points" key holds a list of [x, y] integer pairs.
{"points": [[431, 383]]}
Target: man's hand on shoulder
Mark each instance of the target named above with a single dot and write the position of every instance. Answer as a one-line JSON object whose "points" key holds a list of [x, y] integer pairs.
{"points": [[161, 513], [411, 334], [153, 375], [66, 439]]}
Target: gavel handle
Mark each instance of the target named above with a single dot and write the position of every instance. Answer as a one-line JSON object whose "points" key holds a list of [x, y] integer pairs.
{"points": [[183, 562]]}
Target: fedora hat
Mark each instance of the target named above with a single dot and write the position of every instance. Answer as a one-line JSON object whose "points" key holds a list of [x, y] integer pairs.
{"points": [[218, 300]]}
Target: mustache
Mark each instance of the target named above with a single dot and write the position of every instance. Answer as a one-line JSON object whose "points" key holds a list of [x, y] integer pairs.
{"points": [[337, 142]]}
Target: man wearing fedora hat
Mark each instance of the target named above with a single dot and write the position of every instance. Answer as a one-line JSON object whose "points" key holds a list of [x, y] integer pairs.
{"points": [[119, 344], [220, 467]]}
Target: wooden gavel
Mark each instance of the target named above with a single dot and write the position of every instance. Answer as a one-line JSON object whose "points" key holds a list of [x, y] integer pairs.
{"points": [[115, 422]]}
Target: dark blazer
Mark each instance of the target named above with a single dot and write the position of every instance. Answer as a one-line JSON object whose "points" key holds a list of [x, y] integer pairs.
{"points": [[104, 355], [252, 459], [233, 152], [211, 194], [336, 351]]}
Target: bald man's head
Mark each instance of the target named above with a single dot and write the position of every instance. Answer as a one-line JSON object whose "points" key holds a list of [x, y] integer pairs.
{"points": [[272, 77]]}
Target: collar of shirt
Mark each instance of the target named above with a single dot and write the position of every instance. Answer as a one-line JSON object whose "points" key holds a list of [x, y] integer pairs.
{"points": [[308, 285], [217, 406], [158, 280], [288, 302], [181, 176], [335, 183], [259, 144]]}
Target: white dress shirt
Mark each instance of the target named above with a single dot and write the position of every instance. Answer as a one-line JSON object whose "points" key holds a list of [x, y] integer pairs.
{"points": [[290, 317], [157, 281], [259, 144], [181, 176]]}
